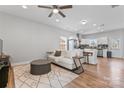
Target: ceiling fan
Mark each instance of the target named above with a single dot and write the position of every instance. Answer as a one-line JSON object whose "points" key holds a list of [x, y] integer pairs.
{"points": [[56, 9], [114, 6]]}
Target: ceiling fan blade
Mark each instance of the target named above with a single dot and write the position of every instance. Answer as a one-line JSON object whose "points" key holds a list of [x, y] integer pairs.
{"points": [[61, 14], [65, 7], [55, 6], [41, 6], [50, 14], [113, 6]]}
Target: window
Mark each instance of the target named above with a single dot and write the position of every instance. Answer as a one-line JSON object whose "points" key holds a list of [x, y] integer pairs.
{"points": [[63, 43]]}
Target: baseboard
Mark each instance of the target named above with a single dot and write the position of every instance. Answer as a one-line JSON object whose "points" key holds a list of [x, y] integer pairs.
{"points": [[20, 63], [118, 57]]}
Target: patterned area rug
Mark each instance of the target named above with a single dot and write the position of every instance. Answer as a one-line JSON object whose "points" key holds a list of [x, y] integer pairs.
{"points": [[57, 78]]}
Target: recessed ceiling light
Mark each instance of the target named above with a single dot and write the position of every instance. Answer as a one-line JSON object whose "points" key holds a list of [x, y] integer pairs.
{"points": [[57, 20], [84, 22], [94, 24], [99, 28], [24, 6], [55, 11]]}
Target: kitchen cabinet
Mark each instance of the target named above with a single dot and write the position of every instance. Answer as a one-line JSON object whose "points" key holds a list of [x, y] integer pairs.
{"points": [[104, 52]]}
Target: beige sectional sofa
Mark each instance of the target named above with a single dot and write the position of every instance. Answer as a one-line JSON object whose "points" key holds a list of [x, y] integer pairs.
{"points": [[66, 60]]}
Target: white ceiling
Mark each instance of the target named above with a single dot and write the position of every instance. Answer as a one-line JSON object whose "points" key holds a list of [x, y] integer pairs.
{"points": [[112, 18]]}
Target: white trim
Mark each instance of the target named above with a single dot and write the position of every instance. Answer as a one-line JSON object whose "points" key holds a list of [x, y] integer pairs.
{"points": [[20, 63]]}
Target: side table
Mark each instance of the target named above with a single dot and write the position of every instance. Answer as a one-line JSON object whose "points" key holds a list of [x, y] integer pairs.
{"points": [[78, 69]]}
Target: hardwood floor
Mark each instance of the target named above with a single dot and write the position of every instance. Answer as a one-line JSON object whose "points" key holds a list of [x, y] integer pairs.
{"points": [[107, 73]]}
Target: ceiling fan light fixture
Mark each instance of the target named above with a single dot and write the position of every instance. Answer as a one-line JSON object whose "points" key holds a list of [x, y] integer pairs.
{"points": [[24, 6], [55, 11], [83, 22]]}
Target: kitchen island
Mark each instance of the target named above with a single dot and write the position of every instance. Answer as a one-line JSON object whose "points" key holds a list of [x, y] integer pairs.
{"points": [[90, 56]]}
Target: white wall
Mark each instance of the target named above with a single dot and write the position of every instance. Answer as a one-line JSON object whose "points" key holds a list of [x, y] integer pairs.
{"points": [[26, 40], [116, 34]]}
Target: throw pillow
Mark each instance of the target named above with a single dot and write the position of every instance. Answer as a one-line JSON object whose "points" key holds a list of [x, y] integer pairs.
{"points": [[57, 53]]}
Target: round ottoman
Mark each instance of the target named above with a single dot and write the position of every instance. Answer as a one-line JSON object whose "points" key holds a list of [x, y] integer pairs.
{"points": [[40, 66]]}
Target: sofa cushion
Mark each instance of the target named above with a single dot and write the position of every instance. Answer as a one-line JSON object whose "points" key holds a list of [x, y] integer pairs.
{"points": [[63, 53], [57, 59], [69, 54], [67, 60], [57, 53], [76, 52]]}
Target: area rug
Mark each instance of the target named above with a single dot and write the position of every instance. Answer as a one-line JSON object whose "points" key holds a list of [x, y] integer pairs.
{"points": [[57, 78]]}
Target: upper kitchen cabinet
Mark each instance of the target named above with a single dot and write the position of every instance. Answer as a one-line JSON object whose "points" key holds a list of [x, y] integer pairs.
{"points": [[102, 40]]}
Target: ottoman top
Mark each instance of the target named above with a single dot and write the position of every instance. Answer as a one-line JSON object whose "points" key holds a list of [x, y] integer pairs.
{"points": [[40, 62]]}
